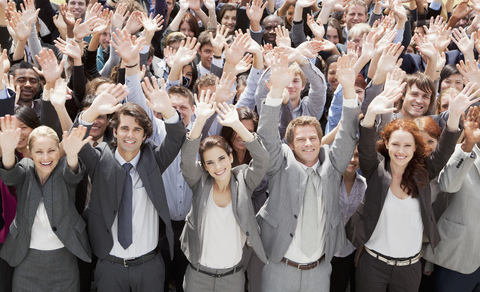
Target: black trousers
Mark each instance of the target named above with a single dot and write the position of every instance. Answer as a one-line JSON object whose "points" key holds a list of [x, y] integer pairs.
{"points": [[6, 275], [343, 270], [373, 275], [174, 269]]}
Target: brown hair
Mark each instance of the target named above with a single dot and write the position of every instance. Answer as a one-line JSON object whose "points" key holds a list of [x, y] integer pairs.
{"points": [[416, 170], [211, 142], [296, 70], [224, 9], [192, 22], [95, 83], [446, 92], [333, 22], [140, 115], [244, 113], [182, 91], [204, 81], [430, 127], [300, 122], [173, 37], [424, 83]]}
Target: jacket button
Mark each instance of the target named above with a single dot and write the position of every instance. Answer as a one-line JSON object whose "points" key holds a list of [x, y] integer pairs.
{"points": [[108, 231], [295, 216], [247, 233], [291, 234], [54, 229]]}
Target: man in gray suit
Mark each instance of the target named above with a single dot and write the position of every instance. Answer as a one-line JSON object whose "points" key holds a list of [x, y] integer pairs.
{"points": [[301, 223], [457, 256], [128, 212]]}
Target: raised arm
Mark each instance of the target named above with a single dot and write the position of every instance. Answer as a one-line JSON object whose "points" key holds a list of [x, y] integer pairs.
{"points": [[9, 138], [72, 143]]}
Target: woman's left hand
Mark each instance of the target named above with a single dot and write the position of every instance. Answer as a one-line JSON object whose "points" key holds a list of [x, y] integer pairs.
{"points": [[227, 115]]}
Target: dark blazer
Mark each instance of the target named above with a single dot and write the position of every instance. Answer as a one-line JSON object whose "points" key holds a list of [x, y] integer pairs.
{"points": [[107, 176], [244, 180], [58, 194], [376, 169]]}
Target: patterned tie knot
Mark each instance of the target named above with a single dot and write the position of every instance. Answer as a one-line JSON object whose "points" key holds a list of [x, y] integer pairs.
{"points": [[127, 166]]}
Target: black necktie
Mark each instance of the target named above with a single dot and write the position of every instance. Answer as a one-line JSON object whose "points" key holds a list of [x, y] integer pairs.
{"points": [[125, 216]]}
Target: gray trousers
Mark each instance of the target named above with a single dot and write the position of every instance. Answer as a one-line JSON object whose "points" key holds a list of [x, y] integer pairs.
{"points": [[253, 266], [148, 276], [47, 270], [373, 275], [283, 278], [198, 282]]}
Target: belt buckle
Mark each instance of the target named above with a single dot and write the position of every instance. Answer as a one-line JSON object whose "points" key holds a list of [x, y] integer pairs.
{"points": [[125, 264], [391, 262]]}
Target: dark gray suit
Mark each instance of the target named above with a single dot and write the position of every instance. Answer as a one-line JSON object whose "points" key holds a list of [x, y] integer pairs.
{"points": [[58, 194], [108, 179]]}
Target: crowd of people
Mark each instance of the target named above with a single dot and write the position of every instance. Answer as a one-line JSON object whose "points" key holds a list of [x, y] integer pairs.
{"points": [[285, 145]]}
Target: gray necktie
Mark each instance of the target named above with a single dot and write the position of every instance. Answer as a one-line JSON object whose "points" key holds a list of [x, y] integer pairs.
{"points": [[125, 211], [310, 217]]}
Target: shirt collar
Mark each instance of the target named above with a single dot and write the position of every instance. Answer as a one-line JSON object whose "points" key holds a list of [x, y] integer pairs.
{"points": [[122, 161]]}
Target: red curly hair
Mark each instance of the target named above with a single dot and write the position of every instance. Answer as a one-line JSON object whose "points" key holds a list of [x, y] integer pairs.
{"points": [[415, 174]]}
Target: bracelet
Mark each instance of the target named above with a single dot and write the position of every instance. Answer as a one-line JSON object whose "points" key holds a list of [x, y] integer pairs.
{"points": [[133, 66], [217, 57], [78, 41]]}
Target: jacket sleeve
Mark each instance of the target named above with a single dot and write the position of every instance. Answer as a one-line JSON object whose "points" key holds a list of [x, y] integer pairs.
{"points": [[367, 152], [315, 101], [168, 150], [441, 154], [452, 175], [14, 176], [192, 169], [258, 166]]}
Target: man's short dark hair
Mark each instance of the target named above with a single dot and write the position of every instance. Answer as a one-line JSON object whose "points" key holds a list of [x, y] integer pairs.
{"points": [[140, 115]]}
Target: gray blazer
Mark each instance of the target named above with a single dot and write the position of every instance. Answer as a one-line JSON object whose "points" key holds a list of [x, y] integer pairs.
{"points": [[287, 182], [58, 194], [108, 178], [459, 230], [244, 179]]}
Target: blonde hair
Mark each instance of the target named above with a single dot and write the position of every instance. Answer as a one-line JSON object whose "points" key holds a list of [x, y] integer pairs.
{"points": [[358, 30], [42, 131]]}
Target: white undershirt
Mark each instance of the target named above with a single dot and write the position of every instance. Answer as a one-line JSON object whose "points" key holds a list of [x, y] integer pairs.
{"points": [[145, 221], [43, 237], [221, 238], [399, 229]]}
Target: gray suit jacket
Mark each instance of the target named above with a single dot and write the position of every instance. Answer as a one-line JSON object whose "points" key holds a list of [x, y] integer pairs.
{"points": [[108, 177], [459, 230], [58, 194], [244, 180], [287, 182]]}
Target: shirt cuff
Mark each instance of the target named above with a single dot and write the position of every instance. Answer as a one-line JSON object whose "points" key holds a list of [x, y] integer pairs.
{"points": [[261, 30], [82, 122], [435, 6], [273, 101], [173, 119], [4, 94], [351, 103]]}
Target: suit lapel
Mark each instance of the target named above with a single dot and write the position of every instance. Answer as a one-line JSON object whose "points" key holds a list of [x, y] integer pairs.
{"points": [[203, 200], [477, 160]]}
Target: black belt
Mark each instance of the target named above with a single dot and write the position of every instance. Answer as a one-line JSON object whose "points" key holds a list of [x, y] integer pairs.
{"points": [[232, 271], [132, 262]]}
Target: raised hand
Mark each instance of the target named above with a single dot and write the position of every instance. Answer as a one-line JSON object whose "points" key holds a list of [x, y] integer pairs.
{"points": [[134, 24], [224, 86], [382, 104], [106, 102], [280, 77], [267, 51], [458, 104], [386, 40], [387, 62], [22, 30], [255, 10], [28, 10], [67, 16], [235, 51], [305, 3], [121, 13], [194, 4], [157, 97], [209, 4], [464, 43], [310, 49], [471, 128], [395, 78], [71, 49], [283, 37], [93, 11], [317, 28], [103, 22], [227, 114], [345, 73], [58, 94], [169, 54], [205, 105], [244, 65], [51, 70], [9, 135], [469, 71], [72, 143], [220, 40], [187, 51], [151, 25], [128, 48], [3, 58]]}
